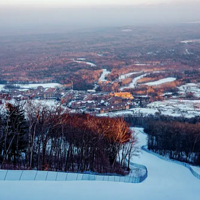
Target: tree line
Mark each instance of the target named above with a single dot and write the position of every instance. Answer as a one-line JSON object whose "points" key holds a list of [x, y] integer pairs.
{"points": [[175, 137], [177, 140], [44, 139]]}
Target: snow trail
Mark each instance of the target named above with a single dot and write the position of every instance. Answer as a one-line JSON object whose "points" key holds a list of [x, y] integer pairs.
{"points": [[133, 83], [103, 75]]}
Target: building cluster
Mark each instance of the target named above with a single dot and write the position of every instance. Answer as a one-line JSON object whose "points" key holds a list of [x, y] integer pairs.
{"points": [[78, 101]]}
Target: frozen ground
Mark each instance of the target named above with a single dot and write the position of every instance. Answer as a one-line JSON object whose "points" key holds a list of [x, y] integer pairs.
{"points": [[166, 181], [161, 81]]}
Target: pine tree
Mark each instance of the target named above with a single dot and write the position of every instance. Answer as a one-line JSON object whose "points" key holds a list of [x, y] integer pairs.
{"points": [[15, 134]]}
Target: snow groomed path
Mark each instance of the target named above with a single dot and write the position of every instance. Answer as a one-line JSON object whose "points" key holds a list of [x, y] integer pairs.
{"points": [[144, 148]]}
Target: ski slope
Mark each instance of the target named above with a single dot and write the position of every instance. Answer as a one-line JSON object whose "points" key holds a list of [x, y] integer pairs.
{"points": [[161, 81], [104, 74], [165, 181], [133, 84]]}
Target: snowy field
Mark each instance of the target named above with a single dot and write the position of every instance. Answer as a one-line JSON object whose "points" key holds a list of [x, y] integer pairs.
{"points": [[166, 181], [174, 108], [44, 85], [33, 86], [161, 81], [176, 104], [193, 88]]}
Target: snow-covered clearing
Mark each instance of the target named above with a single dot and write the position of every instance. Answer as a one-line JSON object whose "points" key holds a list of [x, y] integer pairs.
{"points": [[187, 52], [161, 81], [127, 30], [165, 181], [184, 105], [1, 86], [87, 63], [133, 83], [174, 108], [121, 77], [140, 64], [116, 114], [44, 85], [104, 74], [51, 105], [81, 59], [193, 88], [33, 86], [190, 41]]}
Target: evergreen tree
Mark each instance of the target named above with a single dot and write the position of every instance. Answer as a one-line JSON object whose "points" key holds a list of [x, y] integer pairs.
{"points": [[15, 134]]}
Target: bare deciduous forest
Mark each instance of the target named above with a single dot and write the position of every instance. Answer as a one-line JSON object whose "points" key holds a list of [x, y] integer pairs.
{"points": [[52, 140]]}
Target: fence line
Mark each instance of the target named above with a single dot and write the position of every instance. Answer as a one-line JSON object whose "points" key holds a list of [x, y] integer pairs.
{"points": [[194, 173], [143, 177], [31, 175]]}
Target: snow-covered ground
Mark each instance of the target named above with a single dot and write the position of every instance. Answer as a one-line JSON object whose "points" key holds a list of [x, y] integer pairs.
{"points": [[84, 62], [104, 74], [81, 59], [165, 181], [190, 41], [193, 88], [140, 64], [127, 30], [184, 105], [127, 75], [197, 169], [34, 86], [116, 114], [133, 83], [51, 105], [161, 81], [1, 86], [173, 107]]}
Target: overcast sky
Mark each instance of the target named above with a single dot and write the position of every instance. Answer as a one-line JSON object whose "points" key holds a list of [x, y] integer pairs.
{"points": [[89, 2], [86, 2], [49, 16]]}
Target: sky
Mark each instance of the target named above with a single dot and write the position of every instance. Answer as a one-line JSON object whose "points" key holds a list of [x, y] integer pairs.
{"points": [[88, 2], [81, 2], [52, 16]]}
